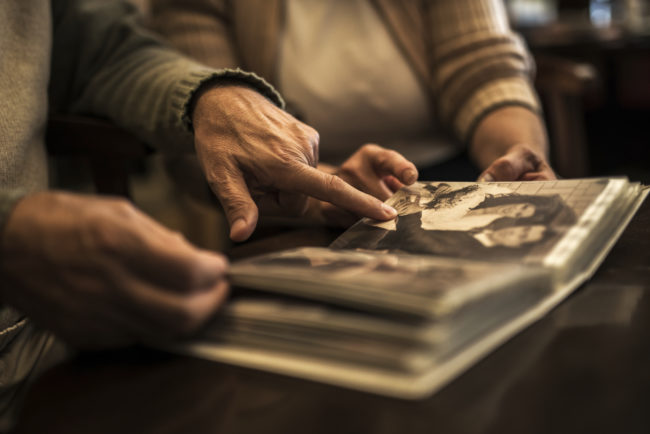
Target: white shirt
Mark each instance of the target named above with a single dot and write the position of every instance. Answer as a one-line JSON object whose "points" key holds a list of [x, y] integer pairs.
{"points": [[343, 70]]}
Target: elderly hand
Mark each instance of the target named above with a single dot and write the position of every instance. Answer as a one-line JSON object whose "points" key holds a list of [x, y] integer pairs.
{"points": [[371, 169], [520, 163], [253, 153], [510, 143], [99, 273]]}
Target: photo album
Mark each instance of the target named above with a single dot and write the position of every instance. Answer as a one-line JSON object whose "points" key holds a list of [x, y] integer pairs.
{"points": [[402, 307]]}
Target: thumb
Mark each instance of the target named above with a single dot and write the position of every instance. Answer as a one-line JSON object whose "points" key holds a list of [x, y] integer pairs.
{"points": [[235, 198]]}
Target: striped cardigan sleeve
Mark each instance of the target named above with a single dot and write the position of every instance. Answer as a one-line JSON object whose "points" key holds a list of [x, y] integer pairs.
{"points": [[477, 63]]}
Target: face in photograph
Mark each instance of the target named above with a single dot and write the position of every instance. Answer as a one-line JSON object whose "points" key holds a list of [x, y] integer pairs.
{"points": [[515, 236], [441, 205]]}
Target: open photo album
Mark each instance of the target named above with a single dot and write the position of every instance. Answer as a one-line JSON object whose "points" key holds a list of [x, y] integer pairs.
{"points": [[402, 307]]}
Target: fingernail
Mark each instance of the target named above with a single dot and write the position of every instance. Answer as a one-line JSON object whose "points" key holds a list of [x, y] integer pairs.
{"points": [[389, 210], [410, 176], [486, 178]]}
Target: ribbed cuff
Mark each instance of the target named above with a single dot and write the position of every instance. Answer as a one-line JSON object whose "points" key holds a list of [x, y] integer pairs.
{"points": [[184, 95], [506, 92]]}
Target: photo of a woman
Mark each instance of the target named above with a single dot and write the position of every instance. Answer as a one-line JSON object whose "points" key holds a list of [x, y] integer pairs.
{"points": [[473, 221]]}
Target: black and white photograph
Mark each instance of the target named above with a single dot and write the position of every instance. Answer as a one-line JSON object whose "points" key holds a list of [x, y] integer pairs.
{"points": [[462, 268], [472, 221]]}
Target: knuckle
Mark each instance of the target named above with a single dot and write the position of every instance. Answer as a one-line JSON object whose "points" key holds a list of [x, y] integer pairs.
{"points": [[287, 157], [392, 154], [103, 237], [389, 156], [528, 154], [532, 158], [309, 140], [370, 148], [385, 158], [307, 131], [110, 231], [312, 135], [123, 208]]}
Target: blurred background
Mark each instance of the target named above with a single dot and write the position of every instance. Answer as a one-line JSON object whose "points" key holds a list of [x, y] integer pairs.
{"points": [[593, 61]]}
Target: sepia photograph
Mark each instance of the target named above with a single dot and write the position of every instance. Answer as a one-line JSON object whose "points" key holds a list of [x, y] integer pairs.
{"points": [[473, 221]]}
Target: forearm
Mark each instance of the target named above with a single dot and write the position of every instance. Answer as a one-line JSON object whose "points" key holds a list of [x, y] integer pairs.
{"points": [[478, 64], [504, 128]]}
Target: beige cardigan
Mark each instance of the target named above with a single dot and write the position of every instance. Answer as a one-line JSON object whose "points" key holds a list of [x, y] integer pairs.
{"points": [[463, 51]]}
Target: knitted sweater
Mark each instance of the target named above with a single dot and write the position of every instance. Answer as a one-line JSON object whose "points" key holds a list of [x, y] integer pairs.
{"points": [[88, 56], [84, 57]]}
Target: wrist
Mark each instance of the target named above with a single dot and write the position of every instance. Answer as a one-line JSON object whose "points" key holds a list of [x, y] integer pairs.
{"points": [[198, 81], [221, 100], [218, 90], [506, 129]]}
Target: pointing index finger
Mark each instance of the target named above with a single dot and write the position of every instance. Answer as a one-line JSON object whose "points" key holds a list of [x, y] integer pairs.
{"points": [[333, 189]]}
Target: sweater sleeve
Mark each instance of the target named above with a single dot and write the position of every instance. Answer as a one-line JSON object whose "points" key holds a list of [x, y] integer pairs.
{"points": [[478, 63], [200, 28], [105, 64]]}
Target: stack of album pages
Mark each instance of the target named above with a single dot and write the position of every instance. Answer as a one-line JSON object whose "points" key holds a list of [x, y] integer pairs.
{"points": [[402, 307]]}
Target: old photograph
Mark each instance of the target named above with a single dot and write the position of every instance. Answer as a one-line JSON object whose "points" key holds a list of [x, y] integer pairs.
{"points": [[473, 221]]}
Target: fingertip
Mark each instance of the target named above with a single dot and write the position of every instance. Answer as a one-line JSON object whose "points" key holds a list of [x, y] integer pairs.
{"points": [[486, 177], [241, 230], [409, 176], [389, 211]]}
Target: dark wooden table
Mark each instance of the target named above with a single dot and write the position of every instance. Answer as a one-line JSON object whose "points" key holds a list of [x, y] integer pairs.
{"points": [[584, 368]]}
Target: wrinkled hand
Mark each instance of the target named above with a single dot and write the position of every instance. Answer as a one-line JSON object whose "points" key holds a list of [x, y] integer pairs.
{"points": [[99, 273], [520, 163], [374, 170], [255, 154]]}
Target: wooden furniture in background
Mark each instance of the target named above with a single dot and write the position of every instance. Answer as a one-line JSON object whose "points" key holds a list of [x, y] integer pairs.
{"points": [[612, 107], [562, 83]]}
